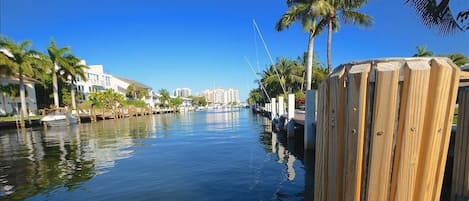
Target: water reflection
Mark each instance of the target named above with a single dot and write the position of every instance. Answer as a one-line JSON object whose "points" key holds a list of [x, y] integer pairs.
{"points": [[290, 153], [40, 160]]}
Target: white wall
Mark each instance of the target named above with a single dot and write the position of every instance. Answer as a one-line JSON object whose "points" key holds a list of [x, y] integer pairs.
{"points": [[13, 104]]}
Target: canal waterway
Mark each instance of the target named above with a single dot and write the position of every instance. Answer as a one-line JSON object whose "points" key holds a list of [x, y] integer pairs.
{"points": [[210, 155]]}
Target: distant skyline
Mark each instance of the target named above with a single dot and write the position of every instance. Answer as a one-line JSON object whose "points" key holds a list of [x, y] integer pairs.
{"points": [[202, 44]]}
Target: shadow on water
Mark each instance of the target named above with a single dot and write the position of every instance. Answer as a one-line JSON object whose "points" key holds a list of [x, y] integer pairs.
{"points": [[39, 160]]}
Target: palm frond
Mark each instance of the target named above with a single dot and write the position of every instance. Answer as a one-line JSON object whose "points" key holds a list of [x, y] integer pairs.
{"points": [[436, 15], [357, 18]]}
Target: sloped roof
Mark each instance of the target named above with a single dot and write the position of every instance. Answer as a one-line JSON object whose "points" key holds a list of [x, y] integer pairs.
{"points": [[132, 82]]}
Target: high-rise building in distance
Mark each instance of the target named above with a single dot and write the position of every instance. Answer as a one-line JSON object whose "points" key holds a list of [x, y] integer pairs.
{"points": [[182, 92]]}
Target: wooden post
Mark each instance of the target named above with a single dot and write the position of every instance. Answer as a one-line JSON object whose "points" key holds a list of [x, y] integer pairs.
{"points": [[310, 119], [291, 115], [281, 111], [460, 182], [273, 114]]}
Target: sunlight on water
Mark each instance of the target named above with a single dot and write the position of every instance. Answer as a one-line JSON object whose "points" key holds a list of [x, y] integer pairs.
{"points": [[229, 155]]}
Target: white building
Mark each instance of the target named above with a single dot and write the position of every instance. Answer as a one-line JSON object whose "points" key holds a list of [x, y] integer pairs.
{"points": [[221, 96], [182, 92], [97, 80]]}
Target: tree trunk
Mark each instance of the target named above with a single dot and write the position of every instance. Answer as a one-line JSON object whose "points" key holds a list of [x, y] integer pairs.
{"points": [[72, 93], [22, 99], [55, 86], [329, 46], [309, 61], [4, 99]]}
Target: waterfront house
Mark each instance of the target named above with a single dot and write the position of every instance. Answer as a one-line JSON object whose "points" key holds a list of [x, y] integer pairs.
{"points": [[11, 105]]}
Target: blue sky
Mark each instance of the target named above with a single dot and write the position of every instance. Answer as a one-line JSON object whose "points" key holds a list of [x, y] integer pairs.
{"points": [[202, 44]]}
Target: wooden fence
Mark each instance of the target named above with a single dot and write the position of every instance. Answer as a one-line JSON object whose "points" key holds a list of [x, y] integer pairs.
{"points": [[460, 181], [383, 130]]}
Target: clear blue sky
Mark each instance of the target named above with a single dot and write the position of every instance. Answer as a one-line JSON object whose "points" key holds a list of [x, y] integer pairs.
{"points": [[202, 44]]}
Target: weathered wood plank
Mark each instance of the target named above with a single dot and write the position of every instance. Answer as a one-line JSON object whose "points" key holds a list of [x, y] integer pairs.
{"points": [[435, 122], [336, 135], [443, 154], [465, 132], [412, 111], [355, 130], [320, 174], [459, 160], [382, 133]]}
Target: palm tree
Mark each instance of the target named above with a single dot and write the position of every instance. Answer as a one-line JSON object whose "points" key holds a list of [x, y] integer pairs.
{"points": [[309, 13], [164, 96], [58, 57], [423, 52], [458, 59], [347, 12], [75, 69], [20, 59], [437, 14]]}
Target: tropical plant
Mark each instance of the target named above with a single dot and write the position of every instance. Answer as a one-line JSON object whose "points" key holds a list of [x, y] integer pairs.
{"points": [[135, 92], [199, 100], [255, 96], [423, 52], [348, 13], [437, 14], [19, 59], [175, 102], [458, 58], [164, 97], [73, 71], [309, 13], [60, 60]]}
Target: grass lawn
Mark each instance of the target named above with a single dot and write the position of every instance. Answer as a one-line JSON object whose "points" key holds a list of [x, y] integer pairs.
{"points": [[13, 118]]}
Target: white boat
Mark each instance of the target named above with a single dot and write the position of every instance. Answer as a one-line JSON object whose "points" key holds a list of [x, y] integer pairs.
{"points": [[59, 119]]}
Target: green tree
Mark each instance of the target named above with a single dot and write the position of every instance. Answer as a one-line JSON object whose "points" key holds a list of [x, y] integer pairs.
{"points": [[135, 91], [437, 14], [74, 70], [309, 13], [19, 59], [423, 52], [255, 96], [175, 102], [347, 11], [164, 97], [199, 100], [60, 60]]}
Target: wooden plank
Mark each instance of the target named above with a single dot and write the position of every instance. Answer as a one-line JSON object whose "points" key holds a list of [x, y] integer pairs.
{"points": [[336, 133], [457, 159], [383, 122], [355, 130], [446, 131], [410, 128], [320, 182], [435, 122], [465, 132]]}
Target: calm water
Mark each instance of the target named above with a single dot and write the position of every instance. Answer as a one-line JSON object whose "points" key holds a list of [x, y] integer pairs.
{"points": [[194, 156]]}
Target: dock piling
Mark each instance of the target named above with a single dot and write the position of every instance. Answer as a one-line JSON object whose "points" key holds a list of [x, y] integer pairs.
{"points": [[310, 119]]}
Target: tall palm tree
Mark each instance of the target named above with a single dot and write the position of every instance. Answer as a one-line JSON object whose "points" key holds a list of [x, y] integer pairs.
{"points": [[164, 96], [58, 57], [75, 69], [347, 12], [423, 52], [19, 59], [437, 14], [309, 13]]}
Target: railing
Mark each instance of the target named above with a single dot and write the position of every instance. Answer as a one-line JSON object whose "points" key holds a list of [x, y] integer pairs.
{"points": [[383, 130]]}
